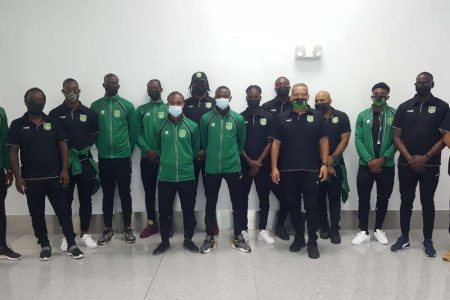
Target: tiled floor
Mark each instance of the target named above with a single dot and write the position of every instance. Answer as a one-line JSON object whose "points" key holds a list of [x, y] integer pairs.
{"points": [[121, 271]]}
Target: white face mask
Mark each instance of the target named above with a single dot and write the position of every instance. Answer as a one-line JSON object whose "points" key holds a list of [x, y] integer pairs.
{"points": [[175, 110], [222, 103]]}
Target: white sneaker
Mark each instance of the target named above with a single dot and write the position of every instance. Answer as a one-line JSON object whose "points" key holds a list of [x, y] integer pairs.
{"points": [[380, 236], [87, 241], [245, 235], [361, 238], [265, 236], [63, 245]]}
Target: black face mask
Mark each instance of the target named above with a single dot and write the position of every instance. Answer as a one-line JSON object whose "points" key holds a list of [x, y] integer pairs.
{"points": [[35, 108], [111, 91], [253, 104], [283, 91], [423, 90], [200, 89], [323, 107], [154, 95]]}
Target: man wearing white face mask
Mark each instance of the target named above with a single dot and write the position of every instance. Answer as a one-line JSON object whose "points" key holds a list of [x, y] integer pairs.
{"points": [[222, 134], [177, 144]]}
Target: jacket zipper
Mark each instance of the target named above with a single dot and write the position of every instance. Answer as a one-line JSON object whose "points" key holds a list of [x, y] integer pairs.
{"points": [[175, 133], [110, 128], [220, 147]]}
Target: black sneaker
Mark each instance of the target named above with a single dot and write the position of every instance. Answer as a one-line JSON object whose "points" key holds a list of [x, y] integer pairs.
{"points": [[313, 250], [429, 249], [189, 245], [324, 233], [129, 236], [239, 243], [282, 233], [298, 244], [46, 253], [208, 244], [106, 236], [401, 244], [7, 253], [162, 247], [335, 237], [75, 252]]}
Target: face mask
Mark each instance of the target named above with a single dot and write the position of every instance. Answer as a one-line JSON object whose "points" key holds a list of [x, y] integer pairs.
{"points": [[111, 91], [200, 88], [423, 90], [282, 91], [300, 104], [222, 103], [72, 96], [175, 110], [154, 95], [379, 101], [253, 103], [35, 108], [323, 107]]}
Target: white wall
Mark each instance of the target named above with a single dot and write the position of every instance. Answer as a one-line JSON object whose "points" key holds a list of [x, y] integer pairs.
{"points": [[236, 42]]}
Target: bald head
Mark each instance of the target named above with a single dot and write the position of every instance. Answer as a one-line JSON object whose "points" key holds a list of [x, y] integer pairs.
{"points": [[323, 101]]}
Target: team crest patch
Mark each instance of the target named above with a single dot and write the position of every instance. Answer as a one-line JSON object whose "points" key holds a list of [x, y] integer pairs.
{"points": [[390, 121], [432, 109], [166, 132], [335, 120], [263, 121], [228, 126], [161, 115], [199, 75], [310, 119], [47, 126], [83, 118], [208, 105], [182, 133], [116, 113]]}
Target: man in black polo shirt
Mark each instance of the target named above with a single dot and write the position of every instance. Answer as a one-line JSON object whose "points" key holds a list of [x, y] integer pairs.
{"points": [[255, 157], [298, 136], [445, 129], [338, 129], [80, 124], [44, 170], [280, 104], [417, 137], [194, 108]]}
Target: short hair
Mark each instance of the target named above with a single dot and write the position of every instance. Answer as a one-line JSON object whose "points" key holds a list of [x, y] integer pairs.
{"points": [[69, 80], [299, 85], [426, 74], [381, 85], [253, 88], [281, 77], [222, 87], [175, 93], [109, 76], [32, 91], [154, 80]]}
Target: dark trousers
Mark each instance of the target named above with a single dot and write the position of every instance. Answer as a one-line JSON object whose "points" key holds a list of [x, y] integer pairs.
{"points": [[297, 185], [428, 181], [57, 195], [112, 171], [262, 183], [385, 184], [149, 176], [85, 184], [283, 210], [187, 191], [2, 208], [331, 190], [212, 187], [199, 167]]}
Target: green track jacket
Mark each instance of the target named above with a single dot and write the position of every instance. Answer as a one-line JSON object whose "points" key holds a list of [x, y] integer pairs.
{"points": [[149, 116]]}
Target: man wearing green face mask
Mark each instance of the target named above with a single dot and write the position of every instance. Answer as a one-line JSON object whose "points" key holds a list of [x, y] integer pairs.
{"points": [[373, 140]]}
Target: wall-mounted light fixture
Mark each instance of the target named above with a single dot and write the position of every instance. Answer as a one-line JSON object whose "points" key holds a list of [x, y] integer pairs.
{"points": [[301, 52]]}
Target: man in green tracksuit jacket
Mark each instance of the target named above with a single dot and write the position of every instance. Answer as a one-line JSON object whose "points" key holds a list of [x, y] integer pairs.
{"points": [[222, 134], [376, 150], [115, 143], [149, 116], [177, 143]]}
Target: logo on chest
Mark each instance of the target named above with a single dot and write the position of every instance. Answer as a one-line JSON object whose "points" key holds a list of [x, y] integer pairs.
{"points": [[161, 115], [182, 133], [431, 109], [228, 125], [116, 113], [166, 132], [208, 104], [390, 120], [263, 121], [335, 120], [310, 118], [83, 118], [47, 126]]}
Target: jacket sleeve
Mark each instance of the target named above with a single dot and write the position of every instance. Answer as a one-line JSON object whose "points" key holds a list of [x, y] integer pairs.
{"points": [[132, 127], [390, 152], [359, 140], [203, 133], [142, 144], [195, 142], [4, 155], [241, 135], [156, 136]]}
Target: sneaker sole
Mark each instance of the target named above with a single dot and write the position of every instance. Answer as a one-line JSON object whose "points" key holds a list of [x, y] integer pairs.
{"points": [[429, 255], [130, 242], [86, 246], [106, 242], [241, 249], [404, 247], [267, 242], [77, 257], [45, 258], [10, 258], [208, 250], [363, 242]]}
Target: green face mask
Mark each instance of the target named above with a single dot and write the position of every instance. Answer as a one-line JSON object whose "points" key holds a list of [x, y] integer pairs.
{"points": [[299, 103], [379, 101]]}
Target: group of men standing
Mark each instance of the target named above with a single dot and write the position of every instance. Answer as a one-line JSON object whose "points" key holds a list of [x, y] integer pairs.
{"points": [[284, 146]]}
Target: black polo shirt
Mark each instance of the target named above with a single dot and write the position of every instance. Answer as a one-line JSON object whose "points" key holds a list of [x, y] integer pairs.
{"points": [[299, 136], [336, 124], [194, 108], [420, 123], [445, 127], [276, 107], [79, 124], [259, 130], [39, 152]]}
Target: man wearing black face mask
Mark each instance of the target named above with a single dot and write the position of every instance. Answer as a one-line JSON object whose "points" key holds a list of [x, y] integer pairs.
{"points": [[44, 170], [194, 108], [150, 115], [80, 124], [255, 157], [281, 103], [338, 128], [420, 143]]}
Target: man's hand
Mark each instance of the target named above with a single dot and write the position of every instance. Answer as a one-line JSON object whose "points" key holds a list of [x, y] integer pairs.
{"points": [[417, 163], [323, 174], [201, 155], [153, 156], [21, 185], [331, 171], [376, 165], [276, 176], [9, 178], [64, 178], [254, 164]]}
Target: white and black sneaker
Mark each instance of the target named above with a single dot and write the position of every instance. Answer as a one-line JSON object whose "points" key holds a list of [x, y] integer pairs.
{"points": [[106, 236], [129, 236], [75, 252], [239, 243], [208, 244], [46, 253]]}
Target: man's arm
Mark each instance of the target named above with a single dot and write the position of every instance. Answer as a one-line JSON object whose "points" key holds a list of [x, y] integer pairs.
{"points": [[14, 158], [274, 153]]}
